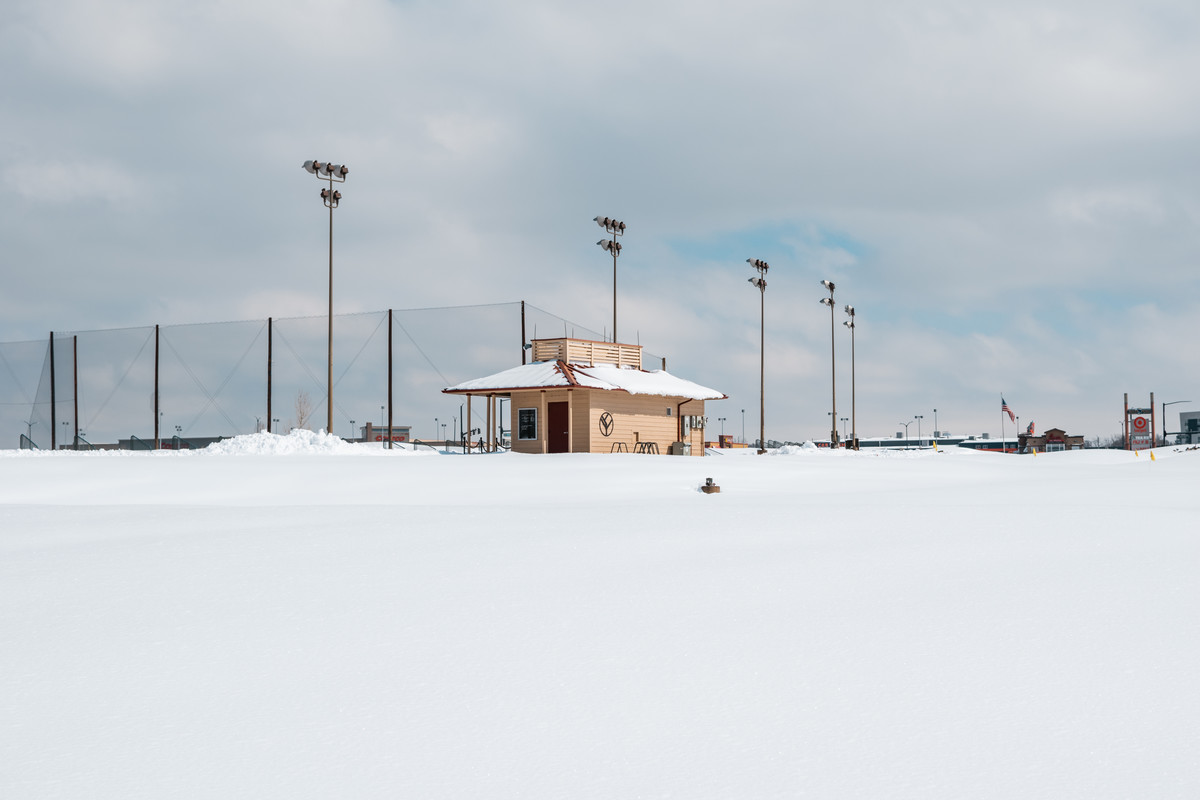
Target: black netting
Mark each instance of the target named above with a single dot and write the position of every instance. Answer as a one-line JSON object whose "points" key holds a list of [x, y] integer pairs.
{"points": [[213, 377]]}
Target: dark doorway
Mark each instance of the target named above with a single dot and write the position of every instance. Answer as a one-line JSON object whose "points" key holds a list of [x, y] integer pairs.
{"points": [[557, 422]]}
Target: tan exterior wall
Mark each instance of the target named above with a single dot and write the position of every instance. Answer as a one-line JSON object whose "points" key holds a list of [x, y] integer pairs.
{"points": [[580, 404], [540, 399], [641, 418], [636, 418]]}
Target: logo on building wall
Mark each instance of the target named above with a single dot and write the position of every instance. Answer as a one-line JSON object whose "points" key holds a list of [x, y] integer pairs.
{"points": [[606, 424]]}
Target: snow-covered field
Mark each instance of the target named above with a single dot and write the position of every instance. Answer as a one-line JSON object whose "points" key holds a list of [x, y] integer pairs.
{"points": [[296, 618]]}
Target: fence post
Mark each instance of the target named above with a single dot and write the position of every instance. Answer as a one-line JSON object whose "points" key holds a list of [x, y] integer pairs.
{"points": [[156, 411], [53, 400]]}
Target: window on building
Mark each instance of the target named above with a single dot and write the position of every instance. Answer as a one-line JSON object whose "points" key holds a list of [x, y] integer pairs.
{"points": [[527, 424]]}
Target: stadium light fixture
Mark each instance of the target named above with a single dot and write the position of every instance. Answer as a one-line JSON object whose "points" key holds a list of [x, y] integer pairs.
{"points": [[333, 173], [828, 301], [853, 394], [760, 281], [615, 228]]}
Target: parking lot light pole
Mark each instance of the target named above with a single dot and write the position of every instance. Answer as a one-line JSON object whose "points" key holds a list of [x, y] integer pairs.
{"points": [[1164, 421]]}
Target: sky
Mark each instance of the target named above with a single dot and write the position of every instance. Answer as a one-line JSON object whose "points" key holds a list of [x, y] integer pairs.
{"points": [[1007, 196]]}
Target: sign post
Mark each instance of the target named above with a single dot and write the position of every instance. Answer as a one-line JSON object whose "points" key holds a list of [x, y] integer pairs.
{"points": [[1139, 426]]}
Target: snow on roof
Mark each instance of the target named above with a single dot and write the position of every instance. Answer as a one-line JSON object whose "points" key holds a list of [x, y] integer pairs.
{"points": [[544, 374]]}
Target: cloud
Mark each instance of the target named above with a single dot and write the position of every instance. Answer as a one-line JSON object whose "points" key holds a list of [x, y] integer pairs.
{"points": [[58, 182], [996, 189]]}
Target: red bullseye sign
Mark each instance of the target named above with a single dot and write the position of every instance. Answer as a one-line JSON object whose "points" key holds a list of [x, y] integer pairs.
{"points": [[1139, 424]]}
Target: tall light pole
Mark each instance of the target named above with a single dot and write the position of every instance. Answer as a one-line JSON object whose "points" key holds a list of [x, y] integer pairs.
{"points": [[332, 173], [1173, 402], [906, 424], [615, 228], [918, 418], [828, 301], [936, 430], [722, 421], [743, 426], [853, 394], [761, 282]]}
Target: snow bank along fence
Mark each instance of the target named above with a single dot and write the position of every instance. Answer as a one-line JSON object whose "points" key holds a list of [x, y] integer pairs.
{"points": [[179, 386]]}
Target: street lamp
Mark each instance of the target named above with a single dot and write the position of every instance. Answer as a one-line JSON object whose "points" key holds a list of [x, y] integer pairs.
{"points": [[1164, 405], [743, 426], [844, 421], [828, 301], [761, 282], [853, 393], [918, 418], [722, 421], [332, 173], [352, 429], [936, 430], [906, 424], [615, 228]]}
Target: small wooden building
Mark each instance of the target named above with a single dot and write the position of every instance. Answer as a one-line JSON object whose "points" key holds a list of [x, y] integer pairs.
{"points": [[581, 396]]}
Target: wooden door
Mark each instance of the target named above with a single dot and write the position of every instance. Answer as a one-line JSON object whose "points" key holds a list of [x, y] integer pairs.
{"points": [[557, 422]]}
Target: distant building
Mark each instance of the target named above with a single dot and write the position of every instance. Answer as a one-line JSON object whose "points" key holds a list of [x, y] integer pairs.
{"points": [[373, 433], [1189, 428], [1051, 441]]}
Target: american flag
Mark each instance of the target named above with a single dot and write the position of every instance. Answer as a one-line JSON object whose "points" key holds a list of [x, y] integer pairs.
{"points": [[1006, 410]]}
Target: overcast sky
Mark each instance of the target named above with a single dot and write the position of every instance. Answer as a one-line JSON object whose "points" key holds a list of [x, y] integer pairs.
{"points": [[1007, 195]]}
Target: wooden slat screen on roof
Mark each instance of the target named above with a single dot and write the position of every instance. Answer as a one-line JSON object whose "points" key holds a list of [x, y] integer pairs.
{"points": [[582, 351]]}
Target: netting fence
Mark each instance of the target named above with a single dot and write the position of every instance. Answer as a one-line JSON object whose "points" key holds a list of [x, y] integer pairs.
{"points": [[199, 382]]}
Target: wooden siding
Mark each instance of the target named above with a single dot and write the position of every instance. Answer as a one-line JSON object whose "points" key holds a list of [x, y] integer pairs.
{"points": [[526, 400], [580, 402], [636, 418], [583, 351], [641, 418]]}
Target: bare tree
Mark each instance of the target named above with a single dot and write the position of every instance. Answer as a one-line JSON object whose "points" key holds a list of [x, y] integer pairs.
{"points": [[304, 409]]}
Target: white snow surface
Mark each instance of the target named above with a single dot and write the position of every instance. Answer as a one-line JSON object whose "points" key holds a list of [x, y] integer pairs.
{"points": [[289, 617], [542, 374]]}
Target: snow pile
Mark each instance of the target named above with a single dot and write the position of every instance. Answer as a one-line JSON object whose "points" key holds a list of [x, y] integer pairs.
{"points": [[656, 382], [795, 449], [297, 442]]}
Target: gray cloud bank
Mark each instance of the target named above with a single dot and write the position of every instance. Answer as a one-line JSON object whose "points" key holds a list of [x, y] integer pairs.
{"points": [[1007, 195]]}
